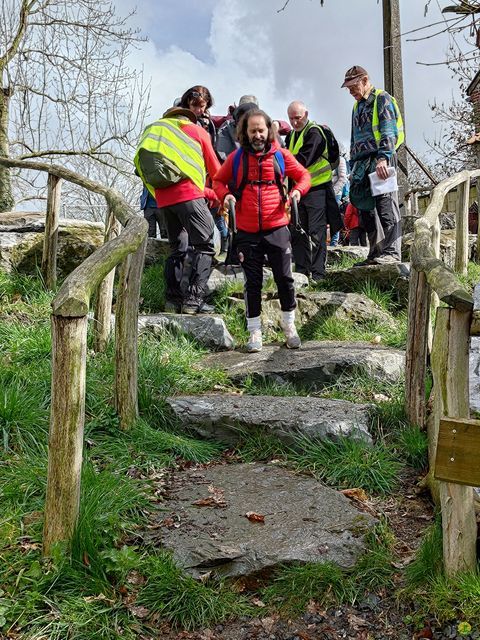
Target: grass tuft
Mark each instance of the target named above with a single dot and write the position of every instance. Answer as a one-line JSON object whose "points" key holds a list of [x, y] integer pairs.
{"points": [[183, 601], [349, 463]]}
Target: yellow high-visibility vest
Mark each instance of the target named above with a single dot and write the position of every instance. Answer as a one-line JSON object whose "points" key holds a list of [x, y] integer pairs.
{"points": [[376, 122], [166, 154], [320, 171]]}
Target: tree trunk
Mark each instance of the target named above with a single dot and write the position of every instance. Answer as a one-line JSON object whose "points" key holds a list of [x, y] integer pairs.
{"points": [[6, 199], [65, 440]]}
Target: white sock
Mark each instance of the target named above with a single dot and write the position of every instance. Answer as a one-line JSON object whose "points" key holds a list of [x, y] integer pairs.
{"points": [[288, 318], [254, 323]]}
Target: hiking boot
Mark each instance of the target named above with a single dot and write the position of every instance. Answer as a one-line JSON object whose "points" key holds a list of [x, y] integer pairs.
{"points": [[365, 263], [254, 344], [387, 259], [203, 307], [193, 306], [292, 339]]}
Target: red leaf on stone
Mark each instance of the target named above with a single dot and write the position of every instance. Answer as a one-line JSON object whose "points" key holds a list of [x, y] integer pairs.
{"points": [[255, 517]]}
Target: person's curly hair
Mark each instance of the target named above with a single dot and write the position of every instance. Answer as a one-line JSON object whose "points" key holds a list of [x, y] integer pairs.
{"points": [[194, 95], [242, 126]]}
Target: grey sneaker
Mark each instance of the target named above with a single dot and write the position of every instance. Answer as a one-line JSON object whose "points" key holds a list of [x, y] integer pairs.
{"points": [[292, 339], [254, 344]]}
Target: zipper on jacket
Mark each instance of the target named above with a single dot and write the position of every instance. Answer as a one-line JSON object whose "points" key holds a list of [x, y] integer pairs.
{"points": [[260, 192]]}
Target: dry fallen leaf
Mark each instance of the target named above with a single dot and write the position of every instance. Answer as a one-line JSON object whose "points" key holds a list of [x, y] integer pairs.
{"points": [[258, 603], [355, 494], [255, 517], [216, 500]]}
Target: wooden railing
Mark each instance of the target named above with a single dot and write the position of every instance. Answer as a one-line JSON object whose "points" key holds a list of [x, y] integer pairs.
{"points": [[69, 341], [432, 283]]}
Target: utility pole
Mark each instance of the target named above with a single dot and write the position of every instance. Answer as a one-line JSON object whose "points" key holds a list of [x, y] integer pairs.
{"points": [[393, 74]]}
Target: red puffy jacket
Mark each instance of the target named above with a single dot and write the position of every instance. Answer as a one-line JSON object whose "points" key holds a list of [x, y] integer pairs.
{"points": [[261, 206]]}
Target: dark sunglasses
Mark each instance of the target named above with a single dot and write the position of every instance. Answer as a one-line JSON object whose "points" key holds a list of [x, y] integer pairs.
{"points": [[196, 94]]}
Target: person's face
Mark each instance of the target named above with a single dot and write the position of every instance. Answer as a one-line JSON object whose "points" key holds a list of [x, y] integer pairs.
{"points": [[298, 118], [198, 106], [257, 132], [357, 89]]}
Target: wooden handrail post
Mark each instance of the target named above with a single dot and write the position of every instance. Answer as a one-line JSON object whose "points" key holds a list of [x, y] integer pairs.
{"points": [[65, 441], [50, 241], [417, 345], [450, 375], [126, 337], [461, 226], [102, 324]]}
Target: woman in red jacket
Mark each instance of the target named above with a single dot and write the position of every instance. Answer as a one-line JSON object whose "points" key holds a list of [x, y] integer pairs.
{"points": [[252, 178]]}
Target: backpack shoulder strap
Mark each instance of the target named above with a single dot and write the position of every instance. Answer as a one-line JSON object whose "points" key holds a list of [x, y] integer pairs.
{"points": [[236, 187], [279, 169]]}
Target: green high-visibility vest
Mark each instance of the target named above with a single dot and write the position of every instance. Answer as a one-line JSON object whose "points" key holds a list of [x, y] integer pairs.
{"points": [[166, 154], [320, 171], [376, 123]]}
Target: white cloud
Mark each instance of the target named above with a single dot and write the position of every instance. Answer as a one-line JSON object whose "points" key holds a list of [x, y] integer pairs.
{"points": [[299, 53]]}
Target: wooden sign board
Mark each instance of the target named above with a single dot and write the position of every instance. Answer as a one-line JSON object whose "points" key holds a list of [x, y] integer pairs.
{"points": [[458, 451]]}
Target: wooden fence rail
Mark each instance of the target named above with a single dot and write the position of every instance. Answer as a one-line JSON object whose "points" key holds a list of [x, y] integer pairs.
{"points": [[432, 282], [69, 347]]}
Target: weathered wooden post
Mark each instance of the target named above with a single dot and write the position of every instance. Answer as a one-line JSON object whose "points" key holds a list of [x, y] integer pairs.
{"points": [[65, 440], [461, 225], [417, 345], [126, 337], [50, 241], [102, 324], [450, 375]]}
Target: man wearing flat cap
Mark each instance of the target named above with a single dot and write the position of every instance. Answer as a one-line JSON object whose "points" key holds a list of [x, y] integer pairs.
{"points": [[377, 132]]}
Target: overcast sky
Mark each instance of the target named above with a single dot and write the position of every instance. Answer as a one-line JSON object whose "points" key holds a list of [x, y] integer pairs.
{"points": [[246, 46]]}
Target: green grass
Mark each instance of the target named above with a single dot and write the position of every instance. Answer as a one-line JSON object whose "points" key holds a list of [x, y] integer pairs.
{"points": [[258, 445], [472, 278], [152, 290], [294, 586], [325, 326], [349, 463], [428, 559], [412, 442], [183, 601]]}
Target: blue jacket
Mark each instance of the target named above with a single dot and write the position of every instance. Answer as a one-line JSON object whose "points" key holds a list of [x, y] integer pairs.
{"points": [[147, 201]]}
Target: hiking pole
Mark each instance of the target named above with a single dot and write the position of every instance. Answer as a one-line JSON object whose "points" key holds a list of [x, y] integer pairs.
{"points": [[295, 219], [232, 220]]}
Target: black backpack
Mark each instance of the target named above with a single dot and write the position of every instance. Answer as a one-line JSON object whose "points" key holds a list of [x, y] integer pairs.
{"points": [[333, 150]]}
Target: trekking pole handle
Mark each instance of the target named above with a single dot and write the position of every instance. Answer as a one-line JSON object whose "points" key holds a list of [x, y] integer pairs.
{"points": [[232, 220], [295, 218]]}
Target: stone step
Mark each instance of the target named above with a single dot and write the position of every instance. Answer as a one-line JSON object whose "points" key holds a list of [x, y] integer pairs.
{"points": [[229, 417], [208, 330], [204, 521], [315, 364]]}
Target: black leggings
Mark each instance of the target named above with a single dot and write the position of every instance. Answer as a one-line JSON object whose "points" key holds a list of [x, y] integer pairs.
{"points": [[275, 244]]}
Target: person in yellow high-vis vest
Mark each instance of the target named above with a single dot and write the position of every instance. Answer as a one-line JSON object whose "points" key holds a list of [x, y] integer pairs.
{"points": [[178, 183], [308, 143], [377, 132]]}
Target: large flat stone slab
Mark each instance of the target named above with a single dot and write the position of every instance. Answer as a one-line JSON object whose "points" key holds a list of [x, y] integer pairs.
{"points": [[209, 330], [304, 521], [315, 363], [228, 417]]}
